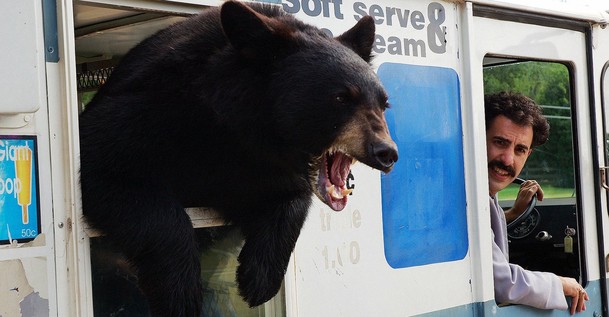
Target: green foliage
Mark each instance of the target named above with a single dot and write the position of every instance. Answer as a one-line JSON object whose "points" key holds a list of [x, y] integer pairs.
{"points": [[511, 192], [548, 84]]}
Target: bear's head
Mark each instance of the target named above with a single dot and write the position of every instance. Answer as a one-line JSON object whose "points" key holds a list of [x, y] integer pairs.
{"points": [[326, 101]]}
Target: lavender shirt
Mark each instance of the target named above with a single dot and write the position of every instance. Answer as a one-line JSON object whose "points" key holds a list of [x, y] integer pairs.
{"points": [[513, 284]]}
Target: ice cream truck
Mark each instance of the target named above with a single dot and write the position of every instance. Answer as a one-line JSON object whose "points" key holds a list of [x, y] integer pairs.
{"points": [[413, 242]]}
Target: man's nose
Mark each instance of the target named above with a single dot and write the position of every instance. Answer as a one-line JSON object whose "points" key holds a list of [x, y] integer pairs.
{"points": [[507, 157]]}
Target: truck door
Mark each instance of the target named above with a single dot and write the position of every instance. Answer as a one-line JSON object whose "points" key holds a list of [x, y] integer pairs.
{"points": [[601, 80], [545, 58]]}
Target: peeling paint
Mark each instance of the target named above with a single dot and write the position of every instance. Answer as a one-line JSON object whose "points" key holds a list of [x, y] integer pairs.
{"points": [[34, 306], [24, 285], [14, 287]]}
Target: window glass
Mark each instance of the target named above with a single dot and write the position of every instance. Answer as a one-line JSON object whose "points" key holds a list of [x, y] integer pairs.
{"points": [[538, 242], [115, 291], [548, 84]]}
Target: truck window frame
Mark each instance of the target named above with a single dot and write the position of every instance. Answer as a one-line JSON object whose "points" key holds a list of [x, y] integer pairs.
{"points": [[552, 199]]}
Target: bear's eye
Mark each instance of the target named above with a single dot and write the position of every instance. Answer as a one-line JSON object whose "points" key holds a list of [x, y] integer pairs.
{"points": [[386, 106], [342, 99]]}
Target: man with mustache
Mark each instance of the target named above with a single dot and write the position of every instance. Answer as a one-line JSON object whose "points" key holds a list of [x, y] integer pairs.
{"points": [[514, 125]]}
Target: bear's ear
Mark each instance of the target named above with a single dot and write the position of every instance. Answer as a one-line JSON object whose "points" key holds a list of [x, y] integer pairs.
{"points": [[360, 38], [252, 34]]}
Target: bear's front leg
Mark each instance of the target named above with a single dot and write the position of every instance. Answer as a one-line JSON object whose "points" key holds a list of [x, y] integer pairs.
{"points": [[155, 234], [269, 242]]}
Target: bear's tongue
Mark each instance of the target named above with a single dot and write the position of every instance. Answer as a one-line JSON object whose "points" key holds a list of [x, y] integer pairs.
{"points": [[336, 193]]}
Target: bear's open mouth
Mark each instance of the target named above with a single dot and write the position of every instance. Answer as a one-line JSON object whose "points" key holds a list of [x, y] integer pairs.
{"points": [[331, 183]]}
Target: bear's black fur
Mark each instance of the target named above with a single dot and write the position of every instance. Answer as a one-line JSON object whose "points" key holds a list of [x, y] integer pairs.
{"points": [[241, 108]]}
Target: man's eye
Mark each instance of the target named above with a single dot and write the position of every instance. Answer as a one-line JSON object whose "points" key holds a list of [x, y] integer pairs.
{"points": [[521, 151]]}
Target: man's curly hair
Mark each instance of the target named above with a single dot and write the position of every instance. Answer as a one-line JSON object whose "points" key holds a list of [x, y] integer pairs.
{"points": [[521, 109]]}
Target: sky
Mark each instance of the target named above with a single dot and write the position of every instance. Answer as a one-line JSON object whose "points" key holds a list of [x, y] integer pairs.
{"points": [[596, 4], [601, 4]]}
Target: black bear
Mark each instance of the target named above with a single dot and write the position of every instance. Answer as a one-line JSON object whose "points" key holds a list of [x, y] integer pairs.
{"points": [[242, 108]]}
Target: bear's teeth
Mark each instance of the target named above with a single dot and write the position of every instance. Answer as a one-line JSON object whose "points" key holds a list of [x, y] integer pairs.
{"points": [[346, 192], [333, 193]]}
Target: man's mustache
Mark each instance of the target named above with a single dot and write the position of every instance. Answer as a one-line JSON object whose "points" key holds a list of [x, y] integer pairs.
{"points": [[498, 164]]}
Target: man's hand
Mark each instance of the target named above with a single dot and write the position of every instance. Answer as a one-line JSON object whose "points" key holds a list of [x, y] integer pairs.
{"points": [[525, 194], [577, 293]]}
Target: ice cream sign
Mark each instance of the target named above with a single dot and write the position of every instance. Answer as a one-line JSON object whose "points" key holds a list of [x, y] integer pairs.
{"points": [[19, 209]]}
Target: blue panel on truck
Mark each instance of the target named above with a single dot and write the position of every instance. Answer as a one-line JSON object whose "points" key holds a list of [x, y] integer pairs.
{"points": [[424, 215]]}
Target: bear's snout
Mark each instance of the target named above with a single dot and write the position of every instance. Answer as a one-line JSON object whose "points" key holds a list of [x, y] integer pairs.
{"points": [[385, 154]]}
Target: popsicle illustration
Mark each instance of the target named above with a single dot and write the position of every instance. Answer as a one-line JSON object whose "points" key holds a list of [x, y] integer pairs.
{"points": [[23, 171]]}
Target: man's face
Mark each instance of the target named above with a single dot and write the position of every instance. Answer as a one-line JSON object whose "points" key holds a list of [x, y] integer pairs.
{"points": [[508, 146]]}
